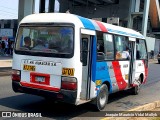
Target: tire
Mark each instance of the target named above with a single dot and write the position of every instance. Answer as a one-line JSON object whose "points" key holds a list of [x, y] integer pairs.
{"points": [[101, 100], [159, 61], [135, 90]]}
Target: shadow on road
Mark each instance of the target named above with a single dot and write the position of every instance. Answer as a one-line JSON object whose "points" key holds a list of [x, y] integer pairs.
{"points": [[31, 103]]}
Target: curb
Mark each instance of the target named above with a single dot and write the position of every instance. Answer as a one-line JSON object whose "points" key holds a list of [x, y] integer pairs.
{"points": [[5, 64], [146, 107], [9, 60], [153, 61], [5, 71]]}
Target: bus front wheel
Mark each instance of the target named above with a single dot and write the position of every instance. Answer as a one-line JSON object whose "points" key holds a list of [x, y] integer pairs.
{"points": [[101, 100]]}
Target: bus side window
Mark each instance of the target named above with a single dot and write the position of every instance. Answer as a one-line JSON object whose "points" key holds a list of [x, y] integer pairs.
{"points": [[108, 46], [141, 52], [100, 46], [121, 46]]}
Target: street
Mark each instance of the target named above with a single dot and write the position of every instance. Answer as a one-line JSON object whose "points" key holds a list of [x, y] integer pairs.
{"points": [[121, 101]]}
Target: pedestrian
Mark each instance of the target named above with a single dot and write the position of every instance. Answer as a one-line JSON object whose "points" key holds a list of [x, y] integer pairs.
{"points": [[0, 49], [3, 47], [152, 54], [6, 47], [9, 47], [12, 44]]}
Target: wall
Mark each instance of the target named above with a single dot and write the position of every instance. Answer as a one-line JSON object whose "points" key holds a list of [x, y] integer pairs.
{"points": [[157, 46], [150, 43]]}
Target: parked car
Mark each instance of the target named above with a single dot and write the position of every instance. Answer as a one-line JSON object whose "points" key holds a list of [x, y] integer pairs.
{"points": [[158, 57]]}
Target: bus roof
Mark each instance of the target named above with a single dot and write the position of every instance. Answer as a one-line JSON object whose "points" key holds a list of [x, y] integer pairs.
{"points": [[81, 22]]}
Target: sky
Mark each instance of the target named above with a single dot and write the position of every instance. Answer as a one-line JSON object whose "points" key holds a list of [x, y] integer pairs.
{"points": [[9, 9]]}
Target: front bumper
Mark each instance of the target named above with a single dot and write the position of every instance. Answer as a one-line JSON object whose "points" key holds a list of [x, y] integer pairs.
{"points": [[67, 96]]}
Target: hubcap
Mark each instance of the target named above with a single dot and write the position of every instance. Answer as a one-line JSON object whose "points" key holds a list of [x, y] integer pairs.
{"points": [[103, 99]]}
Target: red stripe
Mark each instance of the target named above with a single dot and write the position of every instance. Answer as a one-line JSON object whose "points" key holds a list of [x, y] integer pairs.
{"points": [[118, 75], [146, 72], [34, 85], [102, 27]]}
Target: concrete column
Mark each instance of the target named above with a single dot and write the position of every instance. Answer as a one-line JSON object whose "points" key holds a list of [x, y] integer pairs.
{"points": [[51, 5], [42, 6], [130, 17], [137, 5], [12, 24], [26, 7], [2, 23], [145, 17], [134, 10], [20, 10]]}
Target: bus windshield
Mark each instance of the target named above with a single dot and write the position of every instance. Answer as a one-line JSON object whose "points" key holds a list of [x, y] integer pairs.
{"points": [[52, 40]]}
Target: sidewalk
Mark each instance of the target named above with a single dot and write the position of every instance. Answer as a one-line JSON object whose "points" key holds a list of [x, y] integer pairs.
{"points": [[5, 62], [5, 65], [153, 61]]}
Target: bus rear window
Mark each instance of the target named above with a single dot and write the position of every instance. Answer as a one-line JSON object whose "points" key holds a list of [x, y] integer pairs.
{"points": [[52, 40]]}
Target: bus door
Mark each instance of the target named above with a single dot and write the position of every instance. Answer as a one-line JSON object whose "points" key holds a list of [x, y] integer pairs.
{"points": [[87, 37], [132, 52]]}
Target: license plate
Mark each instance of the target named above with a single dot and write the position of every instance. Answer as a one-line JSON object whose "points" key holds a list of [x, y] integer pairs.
{"points": [[29, 67], [39, 79], [68, 71]]}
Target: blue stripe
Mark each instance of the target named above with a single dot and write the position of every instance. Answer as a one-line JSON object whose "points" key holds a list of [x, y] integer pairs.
{"points": [[102, 73], [87, 23], [125, 33]]}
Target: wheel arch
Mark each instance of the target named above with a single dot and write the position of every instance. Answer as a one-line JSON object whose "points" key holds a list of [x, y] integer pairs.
{"points": [[108, 85]]}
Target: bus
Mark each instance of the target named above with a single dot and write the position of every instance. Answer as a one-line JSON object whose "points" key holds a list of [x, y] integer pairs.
{"points": [[76, 60]]}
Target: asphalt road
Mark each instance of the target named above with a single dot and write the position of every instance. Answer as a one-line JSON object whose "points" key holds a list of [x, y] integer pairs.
{"points": [[121, 101]]}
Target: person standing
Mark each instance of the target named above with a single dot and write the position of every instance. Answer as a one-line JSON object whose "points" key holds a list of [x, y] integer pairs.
{"points": [[12, 44], [6, 47], [3, 47], [152, 54]]}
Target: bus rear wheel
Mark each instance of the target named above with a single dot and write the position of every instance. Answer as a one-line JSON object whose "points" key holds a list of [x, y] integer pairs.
{"points": [[135, 90], [101, 100]]}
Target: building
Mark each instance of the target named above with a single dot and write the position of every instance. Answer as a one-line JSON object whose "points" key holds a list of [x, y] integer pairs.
{"points": [[8, 28], [141, 15]]}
